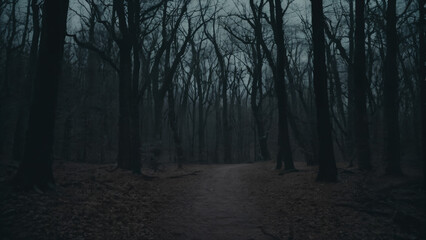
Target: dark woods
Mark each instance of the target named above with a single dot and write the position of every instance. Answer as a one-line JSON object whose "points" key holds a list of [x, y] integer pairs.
{"points": [[36, 166], [141, 83]]}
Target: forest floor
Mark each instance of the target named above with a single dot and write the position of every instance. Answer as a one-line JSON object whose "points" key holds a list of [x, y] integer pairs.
{"points": [[238, 201]]}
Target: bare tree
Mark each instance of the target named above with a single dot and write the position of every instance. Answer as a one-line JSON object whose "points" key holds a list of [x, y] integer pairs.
{"points": [[360, 86], [19, 136], [36, 167], [223, 76], [278, 67], [257, 84], [422, 77], [327, 164], [391, 106]]}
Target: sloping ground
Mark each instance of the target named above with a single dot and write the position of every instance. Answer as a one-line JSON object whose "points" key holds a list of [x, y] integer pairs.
{"points": [[247, 201]]}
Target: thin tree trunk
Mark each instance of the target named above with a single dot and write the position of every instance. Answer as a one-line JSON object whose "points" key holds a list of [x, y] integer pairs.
{"points": [[90, 143], [360, 84], [284, 148], [200, 90], [350, 139], [134, 18], [21, 128], [256, 105], [422, 78], [227, 151]]}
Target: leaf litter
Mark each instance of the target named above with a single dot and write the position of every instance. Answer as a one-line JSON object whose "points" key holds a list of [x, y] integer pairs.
{"points": [[93, 202]]}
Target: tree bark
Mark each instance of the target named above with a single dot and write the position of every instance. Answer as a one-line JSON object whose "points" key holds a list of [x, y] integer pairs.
{"points": [[360, 84], [227, 150], [126, 149], [350, 139], [36, 167], [92, 118], [327, 165], [256, 105], [390, 91], [256, 88], [200, 90], [129, 136], [278, 69], [284, 152], [422, 78]]}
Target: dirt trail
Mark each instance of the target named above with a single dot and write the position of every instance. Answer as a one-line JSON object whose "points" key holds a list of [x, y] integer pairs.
{"points": [[238, 202], [221, 208]]}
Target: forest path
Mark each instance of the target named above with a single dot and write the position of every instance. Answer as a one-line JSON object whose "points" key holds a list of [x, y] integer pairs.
{"points": [[221, 207]]}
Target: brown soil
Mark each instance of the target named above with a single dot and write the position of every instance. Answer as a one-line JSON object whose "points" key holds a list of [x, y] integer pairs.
{"points": [[245, 201]]}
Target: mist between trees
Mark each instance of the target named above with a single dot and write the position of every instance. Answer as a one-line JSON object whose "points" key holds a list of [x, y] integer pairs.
{"points": [[142, 83]]}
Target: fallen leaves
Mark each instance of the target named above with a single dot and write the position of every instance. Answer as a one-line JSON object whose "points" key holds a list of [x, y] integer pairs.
{"points": [[92, 202]]}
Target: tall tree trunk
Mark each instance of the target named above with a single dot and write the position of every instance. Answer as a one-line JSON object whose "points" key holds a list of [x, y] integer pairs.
{"points": [[201, 132], [90, 101], [126, 148], [24, 93], [327, 164], [336, 96], [36, 166], [256, 105], [227, 151], [309, 107], [129, 133], [422, 78], [350, 81], [284, 148], [134, 28], [390, 91], [360, 83]]}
